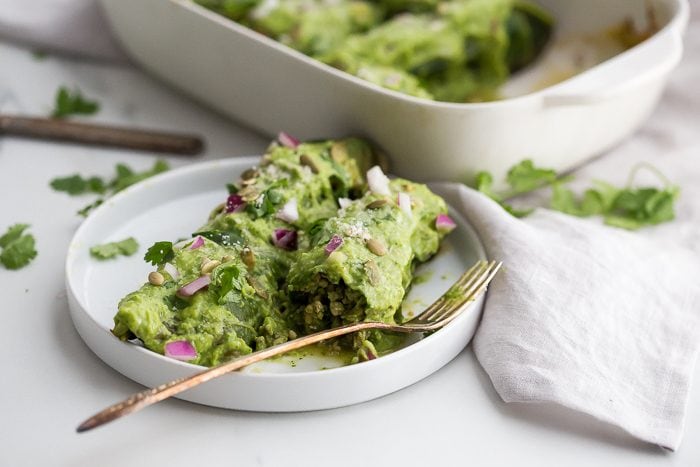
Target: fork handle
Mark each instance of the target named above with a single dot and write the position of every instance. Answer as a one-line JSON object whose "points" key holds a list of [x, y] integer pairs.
{"points": [[150, 396]]}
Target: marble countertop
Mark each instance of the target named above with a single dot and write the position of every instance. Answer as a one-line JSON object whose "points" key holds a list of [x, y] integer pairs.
{"points": [[53, 381]]}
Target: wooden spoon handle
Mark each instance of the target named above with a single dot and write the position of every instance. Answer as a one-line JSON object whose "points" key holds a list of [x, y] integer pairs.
{"points": [[100, 135]]}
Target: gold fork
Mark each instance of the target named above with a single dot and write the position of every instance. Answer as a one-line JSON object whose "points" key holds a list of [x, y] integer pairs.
{"points": [[446, 308]]}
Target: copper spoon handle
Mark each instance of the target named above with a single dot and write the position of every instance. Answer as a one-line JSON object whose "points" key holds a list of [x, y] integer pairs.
{"points": [[100, 135]]}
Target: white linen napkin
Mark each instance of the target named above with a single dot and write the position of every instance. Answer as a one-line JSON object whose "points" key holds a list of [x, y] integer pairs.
{"points": [[597, 319]]}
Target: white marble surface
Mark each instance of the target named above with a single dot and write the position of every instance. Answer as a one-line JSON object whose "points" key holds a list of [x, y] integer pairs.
{"points": [[52, 381]]}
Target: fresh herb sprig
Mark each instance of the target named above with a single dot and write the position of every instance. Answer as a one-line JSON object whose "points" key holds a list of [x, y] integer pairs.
{"points": [[627, 207], [17, 247], [73, 102], [124, 177], [126, 247]]}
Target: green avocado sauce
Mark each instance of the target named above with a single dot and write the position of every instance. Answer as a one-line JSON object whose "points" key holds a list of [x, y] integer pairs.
{"points": [[261, 292]]}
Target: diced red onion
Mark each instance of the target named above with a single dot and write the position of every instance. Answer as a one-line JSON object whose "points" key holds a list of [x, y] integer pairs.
{"points": [[344, 202], [198, 242], [289, 212], [234, 203], [193, 287], [285, 239], [180, 350], [443, 223], [370, 355], [287, 140], [172, 270], [333, 244], [405, 203], [377, 181]]}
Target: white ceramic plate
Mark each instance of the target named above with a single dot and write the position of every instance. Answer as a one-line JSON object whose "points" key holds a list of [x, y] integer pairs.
{"points": [[174, 205]]}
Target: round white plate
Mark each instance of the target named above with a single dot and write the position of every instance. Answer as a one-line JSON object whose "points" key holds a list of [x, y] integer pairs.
{"points": [[175, 204]]}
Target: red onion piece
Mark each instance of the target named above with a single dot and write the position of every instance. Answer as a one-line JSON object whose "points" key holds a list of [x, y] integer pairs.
{"points": [[287, 140], [193, 287], [344, 202], [405, 203], [443, 223], [377, 181], [289, 212], [180, 350], [285, 239], [234, 203], [198, 242], [333, 244]]}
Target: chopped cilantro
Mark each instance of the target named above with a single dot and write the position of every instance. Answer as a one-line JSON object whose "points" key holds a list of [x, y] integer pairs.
{"points": [[77, 185], [18, 248], [159, 253], [126, 247], [124, 177], [628, 208], [225, 238], [85, 211], [71, 103]]}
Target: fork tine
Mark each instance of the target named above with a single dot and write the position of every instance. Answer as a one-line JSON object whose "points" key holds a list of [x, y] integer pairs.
{"points": [[470, 294], [463, 282]]}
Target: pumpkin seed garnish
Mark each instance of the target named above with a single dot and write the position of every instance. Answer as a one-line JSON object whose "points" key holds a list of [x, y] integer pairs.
{"points": [[376, 247]]}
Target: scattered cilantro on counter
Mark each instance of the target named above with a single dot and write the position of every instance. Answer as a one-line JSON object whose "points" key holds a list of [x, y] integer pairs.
{"points": [[126, 247], [124, 177], [159, 253], [18, 247], [77, 185], [69, 102], [628, 207]]}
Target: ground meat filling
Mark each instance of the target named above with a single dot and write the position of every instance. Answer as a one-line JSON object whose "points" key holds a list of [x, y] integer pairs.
{"points": [[331, 305]]}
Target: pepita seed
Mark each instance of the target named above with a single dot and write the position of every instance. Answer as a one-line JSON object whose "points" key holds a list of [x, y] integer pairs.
{"points": [[292, 334], [372, 271], [339, 152], [307, 161], [226, 258], [378, 203], [376, 247], [156, 278], [249, 173], [248, 257], [209, 266], [253, 282]]}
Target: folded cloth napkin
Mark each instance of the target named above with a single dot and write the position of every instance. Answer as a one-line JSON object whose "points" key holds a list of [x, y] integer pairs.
{"points": [[597, 319]]}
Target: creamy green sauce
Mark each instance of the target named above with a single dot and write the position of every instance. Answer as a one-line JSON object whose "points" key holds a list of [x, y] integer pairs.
{"points": [[261, 293]]}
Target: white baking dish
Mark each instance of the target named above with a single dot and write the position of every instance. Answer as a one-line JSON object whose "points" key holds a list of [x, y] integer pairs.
{"points": [[271, 87]]}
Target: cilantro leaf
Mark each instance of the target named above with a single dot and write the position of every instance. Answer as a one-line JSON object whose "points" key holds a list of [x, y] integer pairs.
{"points": [[225, 238], [12, 234], [484, 183], [71, 103], [88, 209], [126, 247], [77, 185], [159, 253], [525, 177], [126, 177], [18, 248], [628, 208]]}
